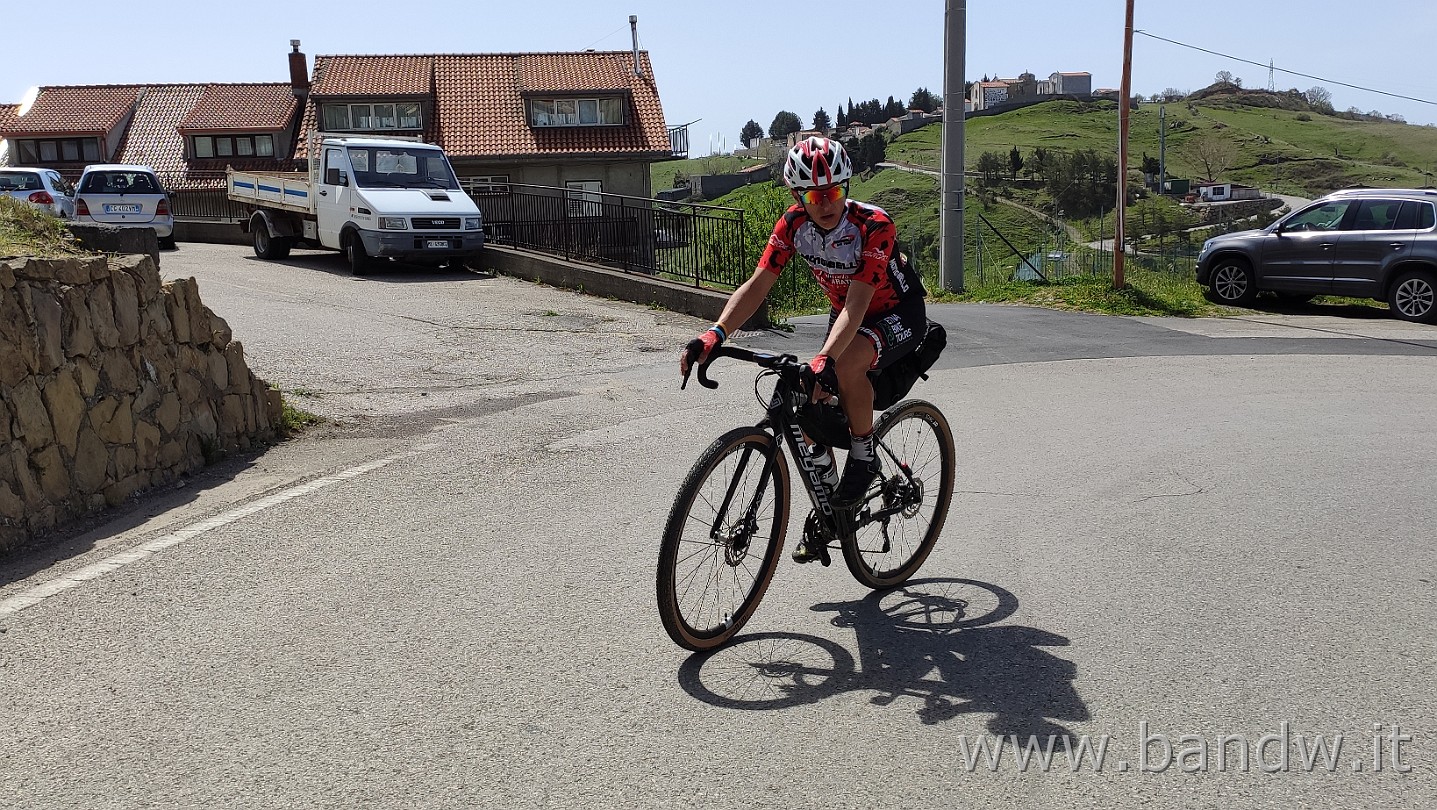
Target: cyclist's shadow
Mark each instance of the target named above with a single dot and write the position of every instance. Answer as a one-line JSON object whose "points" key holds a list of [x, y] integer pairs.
{"points": [[933, 639]]}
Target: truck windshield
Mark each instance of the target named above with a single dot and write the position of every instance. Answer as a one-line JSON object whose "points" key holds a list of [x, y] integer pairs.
{"points": [[401, 167]]}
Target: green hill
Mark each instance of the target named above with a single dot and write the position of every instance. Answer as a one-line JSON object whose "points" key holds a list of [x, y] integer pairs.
{"points": [[1275, 149]]}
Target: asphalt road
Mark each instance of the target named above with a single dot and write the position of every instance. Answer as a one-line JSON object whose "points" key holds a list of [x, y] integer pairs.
{"points": [[443, 597]]}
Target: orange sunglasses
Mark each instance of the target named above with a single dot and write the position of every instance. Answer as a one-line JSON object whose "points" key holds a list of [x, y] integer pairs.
{"points": [[815, 196]]}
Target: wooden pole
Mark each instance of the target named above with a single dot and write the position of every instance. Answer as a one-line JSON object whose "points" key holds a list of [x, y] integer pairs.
{"points": [[1124, 96]]}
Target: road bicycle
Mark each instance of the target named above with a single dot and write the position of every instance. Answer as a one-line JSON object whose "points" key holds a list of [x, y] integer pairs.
{"points": [[725, 532]]}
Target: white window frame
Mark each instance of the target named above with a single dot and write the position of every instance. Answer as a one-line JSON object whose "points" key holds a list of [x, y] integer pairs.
{"points": [[485, 184], [568, 111], [379, 116], [585, 198]]}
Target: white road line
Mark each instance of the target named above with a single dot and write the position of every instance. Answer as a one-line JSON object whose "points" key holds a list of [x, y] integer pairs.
{"points": [[45, 590]]}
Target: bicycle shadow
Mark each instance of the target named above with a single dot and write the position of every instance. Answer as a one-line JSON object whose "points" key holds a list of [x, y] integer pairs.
{"points": [[935, 640]]}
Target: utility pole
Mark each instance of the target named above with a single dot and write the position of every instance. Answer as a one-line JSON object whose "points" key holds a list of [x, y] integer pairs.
{"points": [[950, 227], [1162, 150], [1124, 95]]}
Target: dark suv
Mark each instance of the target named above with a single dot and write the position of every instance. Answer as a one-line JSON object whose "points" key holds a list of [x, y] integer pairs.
{"points": [[1368, 243]]}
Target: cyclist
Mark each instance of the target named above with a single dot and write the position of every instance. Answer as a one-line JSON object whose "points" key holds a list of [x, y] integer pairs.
{"points": [[877, 313]]}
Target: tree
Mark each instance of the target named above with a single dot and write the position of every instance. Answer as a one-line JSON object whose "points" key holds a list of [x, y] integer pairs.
{"points": [[872, 150], [990, 166], [784, 124], [1151, 165], [923, 100], [1224, 77], [1081, 183], [750, 133], [1039, 164], [1215, 153], [820, 121], [1015, 163], [842, 117], [1319, 99]]}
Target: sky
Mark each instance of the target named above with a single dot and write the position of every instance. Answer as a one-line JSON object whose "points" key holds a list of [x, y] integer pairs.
{"points": [[719, 66]]}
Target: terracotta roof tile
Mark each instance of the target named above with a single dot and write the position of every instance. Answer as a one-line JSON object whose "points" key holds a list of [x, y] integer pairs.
{"points": [[7, 115], [151, 139], [75, 110], [373, 76], [242, 107], [479, 103]]}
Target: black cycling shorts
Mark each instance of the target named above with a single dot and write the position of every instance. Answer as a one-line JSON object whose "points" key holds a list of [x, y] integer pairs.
{"points": [[894, 333]]}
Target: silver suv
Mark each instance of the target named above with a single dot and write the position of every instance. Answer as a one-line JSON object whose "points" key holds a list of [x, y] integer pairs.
{"points": [[1372, 243]]}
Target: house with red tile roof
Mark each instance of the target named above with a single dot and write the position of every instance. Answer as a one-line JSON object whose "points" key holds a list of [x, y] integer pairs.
{"points": [[589, 120]]}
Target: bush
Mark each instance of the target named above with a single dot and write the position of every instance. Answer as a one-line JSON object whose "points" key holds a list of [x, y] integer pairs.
{"points": [[1304, 117]]}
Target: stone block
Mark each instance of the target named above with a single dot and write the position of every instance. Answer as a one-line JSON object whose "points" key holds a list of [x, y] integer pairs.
{"points": [[127, 308], [219, 368], [125, 458], [54, 478], [79, 338], [11, 505], [114, 239], [231, 415], [178, 312], [102, 316], [168, 414], [114, 420], [149, 396], [7, 276], [204, 423], [92, 462], [239, 372], [17, 333], [199, 316], [75, 271], [116, 493], [20, 473], [7, 420], [190, 388], [144, 270], [87, 375], [49, 320], [157, 319], [117, 369], [172, 452], [31, 416], [67, 407], [147, 445], [220, 332]]}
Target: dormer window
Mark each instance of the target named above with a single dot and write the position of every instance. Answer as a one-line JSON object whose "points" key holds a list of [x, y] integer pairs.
{"points": [[576, 112], [223, 146], [372, 117]]}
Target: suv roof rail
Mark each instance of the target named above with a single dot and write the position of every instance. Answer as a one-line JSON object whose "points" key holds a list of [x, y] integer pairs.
{"points": [[1381, 192]]}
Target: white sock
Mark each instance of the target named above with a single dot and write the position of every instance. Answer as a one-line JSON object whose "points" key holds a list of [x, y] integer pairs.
{"points": [[862, 448]]}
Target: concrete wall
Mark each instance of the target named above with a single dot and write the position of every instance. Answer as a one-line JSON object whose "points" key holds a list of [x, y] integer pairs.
{"points": [[112, 382], [595, 280], [628, 178]]}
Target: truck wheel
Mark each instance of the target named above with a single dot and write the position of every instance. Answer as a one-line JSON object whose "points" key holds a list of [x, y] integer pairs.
{"points": [[266, 246], [354, 252]]}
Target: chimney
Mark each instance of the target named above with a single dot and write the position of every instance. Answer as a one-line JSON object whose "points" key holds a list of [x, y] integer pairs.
{"points": [[298, 71], [634, 29]]}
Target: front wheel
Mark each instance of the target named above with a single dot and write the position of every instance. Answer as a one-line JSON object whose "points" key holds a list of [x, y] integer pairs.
{"points": [[722, 539], [354, 251], [1232, 283], [900, 523]]}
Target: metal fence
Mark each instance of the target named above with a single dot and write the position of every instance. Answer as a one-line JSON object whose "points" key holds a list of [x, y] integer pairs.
{"points": [[1054, 257], [689, 242], [201, 197]]}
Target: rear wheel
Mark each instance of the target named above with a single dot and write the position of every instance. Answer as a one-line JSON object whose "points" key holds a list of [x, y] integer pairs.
{"points": [[722, 539], [1232, 283], [168, 243], [355, 253], [900, 523], [266, 246], [1413, 297]]}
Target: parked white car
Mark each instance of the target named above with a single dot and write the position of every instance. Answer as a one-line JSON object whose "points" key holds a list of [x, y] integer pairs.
{"points": [[124, 195], [42, 188]]}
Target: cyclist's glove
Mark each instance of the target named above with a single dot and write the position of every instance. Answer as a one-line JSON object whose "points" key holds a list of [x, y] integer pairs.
{"points": [[821, 370], [698, 349]]}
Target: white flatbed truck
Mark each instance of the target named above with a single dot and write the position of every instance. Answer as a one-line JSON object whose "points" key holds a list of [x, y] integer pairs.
{"points": [[370, 197]]}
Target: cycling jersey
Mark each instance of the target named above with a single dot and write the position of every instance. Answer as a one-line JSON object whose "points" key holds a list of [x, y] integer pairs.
{"points": [[862, 247]]}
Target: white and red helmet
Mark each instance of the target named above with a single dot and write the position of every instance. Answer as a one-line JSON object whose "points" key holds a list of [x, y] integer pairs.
{"points": [[816, 161]]}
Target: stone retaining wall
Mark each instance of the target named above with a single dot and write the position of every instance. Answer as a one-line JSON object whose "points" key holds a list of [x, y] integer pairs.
{"points": [[112, 382]]}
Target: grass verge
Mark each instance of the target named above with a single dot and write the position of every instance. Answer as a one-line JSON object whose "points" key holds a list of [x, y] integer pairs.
{"points": [[293, 421], [1146, 293], [27, 231]]}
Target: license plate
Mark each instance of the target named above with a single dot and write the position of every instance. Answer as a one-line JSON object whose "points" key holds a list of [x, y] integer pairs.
{"points": [[126, 208], [437, 243]]}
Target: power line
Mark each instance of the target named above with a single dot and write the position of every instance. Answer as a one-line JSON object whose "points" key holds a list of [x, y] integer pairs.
{"points": [[1271, 67], [602, 38]]}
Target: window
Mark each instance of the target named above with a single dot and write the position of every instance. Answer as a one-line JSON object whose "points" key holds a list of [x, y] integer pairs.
{"points": [[1375, 215], [209, 146], [63, 150], [486, 184], [1416, 216], [354, 117], [585, 198], [1325, 217], [576, 112]]}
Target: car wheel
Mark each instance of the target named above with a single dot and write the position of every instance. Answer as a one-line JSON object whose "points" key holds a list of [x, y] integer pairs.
{"points": [[355, 253], [168, 243], [1413, 297], [1232, 283]]}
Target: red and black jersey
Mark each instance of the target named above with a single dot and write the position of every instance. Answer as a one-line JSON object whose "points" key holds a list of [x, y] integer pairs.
{"points": [[862, 247]]}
